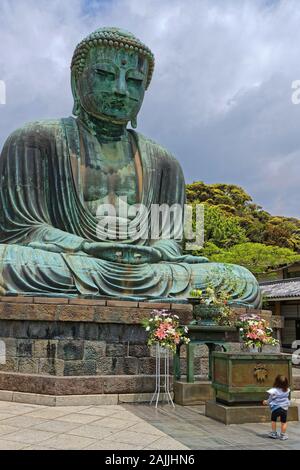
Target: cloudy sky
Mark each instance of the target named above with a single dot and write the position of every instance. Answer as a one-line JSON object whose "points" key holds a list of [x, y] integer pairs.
{"points": [[220, 99]]}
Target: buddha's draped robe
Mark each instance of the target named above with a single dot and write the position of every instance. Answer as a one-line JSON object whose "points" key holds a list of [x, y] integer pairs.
{"points": [[42, 202]]}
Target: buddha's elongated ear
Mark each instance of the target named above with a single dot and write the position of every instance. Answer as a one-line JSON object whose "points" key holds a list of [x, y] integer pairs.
{"points": [[76, 107], [134, 122]]}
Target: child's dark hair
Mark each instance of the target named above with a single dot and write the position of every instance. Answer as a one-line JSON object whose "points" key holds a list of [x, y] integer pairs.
{"points": [[281, 382]]}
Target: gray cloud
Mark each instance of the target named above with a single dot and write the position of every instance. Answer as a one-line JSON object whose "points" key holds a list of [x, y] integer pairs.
{"points": [[220, 99]]}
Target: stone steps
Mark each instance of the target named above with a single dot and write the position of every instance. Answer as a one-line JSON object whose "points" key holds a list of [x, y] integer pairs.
{"points": [[78, 400], [296, 382]]}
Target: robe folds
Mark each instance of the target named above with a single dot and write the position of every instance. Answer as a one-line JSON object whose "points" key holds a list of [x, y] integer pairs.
{"points": [[44, 221]]}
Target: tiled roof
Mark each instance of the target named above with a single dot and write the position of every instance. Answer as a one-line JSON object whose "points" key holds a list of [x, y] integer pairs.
{"points": [[284, 289]]}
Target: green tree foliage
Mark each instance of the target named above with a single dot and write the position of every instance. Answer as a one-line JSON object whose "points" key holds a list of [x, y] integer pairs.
{"points": [[257, 257], [220, 229], [239, 231]]}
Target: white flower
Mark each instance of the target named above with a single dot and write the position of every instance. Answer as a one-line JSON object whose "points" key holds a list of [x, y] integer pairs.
{"points": [[148, 328]]}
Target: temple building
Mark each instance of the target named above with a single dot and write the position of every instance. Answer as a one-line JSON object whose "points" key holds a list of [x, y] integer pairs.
{"points": [[283, 297]]}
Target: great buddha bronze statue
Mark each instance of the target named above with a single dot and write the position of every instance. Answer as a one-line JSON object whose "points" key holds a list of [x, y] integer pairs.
{"points": [[55, 174]]}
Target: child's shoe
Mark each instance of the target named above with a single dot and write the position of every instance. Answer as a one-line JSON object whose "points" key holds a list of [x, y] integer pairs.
{"points": [[273, 435], [283, 437]]}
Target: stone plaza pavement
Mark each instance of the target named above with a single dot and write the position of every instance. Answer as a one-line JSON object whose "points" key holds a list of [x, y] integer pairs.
{"points": [[128, 427]]}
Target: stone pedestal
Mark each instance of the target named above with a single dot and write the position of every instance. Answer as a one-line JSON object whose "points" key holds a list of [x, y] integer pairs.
{"points": [[75, 347], [244, 413], [196, 393], [66, 348]]}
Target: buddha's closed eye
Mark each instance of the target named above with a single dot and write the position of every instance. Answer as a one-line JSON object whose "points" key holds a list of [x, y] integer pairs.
{"points": [[135, 79], [105, 73]]}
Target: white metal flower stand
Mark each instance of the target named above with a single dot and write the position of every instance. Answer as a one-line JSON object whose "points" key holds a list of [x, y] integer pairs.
{"points": [[162, 377]]}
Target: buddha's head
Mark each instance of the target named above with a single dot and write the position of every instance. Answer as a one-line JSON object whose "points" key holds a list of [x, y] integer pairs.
{"points": [[111, 69]]}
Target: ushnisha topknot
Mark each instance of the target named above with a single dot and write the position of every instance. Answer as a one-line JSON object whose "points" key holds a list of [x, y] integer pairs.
{"points": [[111, 37]]}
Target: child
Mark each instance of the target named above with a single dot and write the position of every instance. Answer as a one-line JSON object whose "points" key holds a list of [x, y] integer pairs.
{"points": [[279, 403]]}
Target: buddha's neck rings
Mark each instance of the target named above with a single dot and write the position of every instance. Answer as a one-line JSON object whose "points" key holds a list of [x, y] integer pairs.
{"points": [[104, 130]]}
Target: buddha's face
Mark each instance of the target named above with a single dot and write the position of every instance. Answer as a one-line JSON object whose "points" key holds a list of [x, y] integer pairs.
{"points": [[112, 84]]}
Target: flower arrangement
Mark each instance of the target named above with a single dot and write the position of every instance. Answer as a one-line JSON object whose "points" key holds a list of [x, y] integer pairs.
{"points": [[217, 299], [164, 328], [255, 332]]}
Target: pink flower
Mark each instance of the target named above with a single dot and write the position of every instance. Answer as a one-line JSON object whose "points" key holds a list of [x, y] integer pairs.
{"points": [[160, 334], [161, 331]]}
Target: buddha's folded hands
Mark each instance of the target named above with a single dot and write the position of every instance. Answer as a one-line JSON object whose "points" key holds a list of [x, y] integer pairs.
{"points": [[122, 253]]}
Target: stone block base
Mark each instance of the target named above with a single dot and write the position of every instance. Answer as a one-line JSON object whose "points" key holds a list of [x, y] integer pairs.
{"points": [[75, 400], [296, 381], [296, 394], [80, 337], [244, 413], [196, 393], [77, 385], [78, 346]]}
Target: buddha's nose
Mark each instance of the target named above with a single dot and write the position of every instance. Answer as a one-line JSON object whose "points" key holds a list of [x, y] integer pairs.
{"points": [[121, 87]]}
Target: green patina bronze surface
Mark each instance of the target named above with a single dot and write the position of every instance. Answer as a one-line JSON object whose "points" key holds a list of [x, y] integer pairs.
{"points": [[56, 173]]}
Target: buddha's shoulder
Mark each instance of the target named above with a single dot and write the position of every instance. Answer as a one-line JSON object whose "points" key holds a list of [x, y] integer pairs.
{"points": [[156, 147], [37, 131]]}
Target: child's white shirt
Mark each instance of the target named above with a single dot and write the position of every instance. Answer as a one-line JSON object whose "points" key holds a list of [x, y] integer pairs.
{"points": [[278, 398]]}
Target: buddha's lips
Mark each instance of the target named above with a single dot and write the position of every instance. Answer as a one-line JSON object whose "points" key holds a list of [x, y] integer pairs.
{"points": [[119, 104]]}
